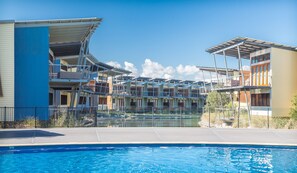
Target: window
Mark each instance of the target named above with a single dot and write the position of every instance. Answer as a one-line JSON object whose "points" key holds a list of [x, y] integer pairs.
{"points": [[132, 103], [265, 75], [63, 99], [82, 100], [51, 99], [260, 99], [261, 76], [102, 101], [256, 75], [260, 58]]}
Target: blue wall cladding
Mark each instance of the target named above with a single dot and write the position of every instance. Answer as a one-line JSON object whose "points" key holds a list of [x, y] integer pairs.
{"points": [[31, 72]]}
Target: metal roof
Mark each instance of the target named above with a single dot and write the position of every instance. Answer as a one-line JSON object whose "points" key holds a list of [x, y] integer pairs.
{"points": [[158, 79], [246, 46], [142, 78], [221, 71], [65, 35], [187, 81], [117, 72], [173, 80]]}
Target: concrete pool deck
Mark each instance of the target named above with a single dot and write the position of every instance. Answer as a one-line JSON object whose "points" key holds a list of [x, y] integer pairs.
{"points": [[149, 135]]}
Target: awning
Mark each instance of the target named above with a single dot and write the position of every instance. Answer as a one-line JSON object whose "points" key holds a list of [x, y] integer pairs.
{"points": [[65, 35], [246, 46]]}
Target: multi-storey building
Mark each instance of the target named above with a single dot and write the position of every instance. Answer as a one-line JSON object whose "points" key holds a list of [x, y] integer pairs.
{"points": [[271, 82], [144, 94], [48, 64]]}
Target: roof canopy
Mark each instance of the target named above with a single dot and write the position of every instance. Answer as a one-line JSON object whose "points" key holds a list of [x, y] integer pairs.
{"points": [[66, 35], [246, 46], [221, 71]]}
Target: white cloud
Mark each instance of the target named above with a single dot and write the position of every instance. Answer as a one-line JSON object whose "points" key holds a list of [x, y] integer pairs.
{"points": [[131, 67], [187, 69], [155, 70], [114, 64]]}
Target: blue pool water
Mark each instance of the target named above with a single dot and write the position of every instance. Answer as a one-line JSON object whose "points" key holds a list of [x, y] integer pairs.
{"points": [[149, 158]]}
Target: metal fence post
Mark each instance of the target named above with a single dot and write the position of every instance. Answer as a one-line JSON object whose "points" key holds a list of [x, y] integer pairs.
{"points": [[68, 118], [95, 114], [238, 117], [268, 118], [152, 117], [208, 118], [35, 115], [4, 124], [180, 122]]}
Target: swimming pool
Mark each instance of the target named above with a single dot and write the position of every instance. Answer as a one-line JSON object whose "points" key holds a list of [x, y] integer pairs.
{"points": [[149, 158]]}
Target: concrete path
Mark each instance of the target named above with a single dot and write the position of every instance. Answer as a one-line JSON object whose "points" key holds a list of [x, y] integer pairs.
{"points": [[52, 136]]}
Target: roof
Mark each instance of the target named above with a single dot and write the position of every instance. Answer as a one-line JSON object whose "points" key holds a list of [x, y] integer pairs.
{"points": [[72, 59], [173, 80], [115, 72], [142, 78], [66, 35], [124, 78], [220, 70], [246, 46], [187, 81], [158, 79]]}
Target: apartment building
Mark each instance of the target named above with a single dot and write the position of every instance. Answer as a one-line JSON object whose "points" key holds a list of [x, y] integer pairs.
{"points": [[271, 81], [46, 63], [144, 94]]}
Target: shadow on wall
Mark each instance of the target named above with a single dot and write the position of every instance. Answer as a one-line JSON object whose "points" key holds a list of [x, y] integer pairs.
{"points": [[27, 134]]}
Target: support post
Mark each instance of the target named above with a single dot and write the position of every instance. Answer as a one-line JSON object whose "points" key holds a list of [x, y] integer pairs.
{"points": [[238, 109], [216, 69], [211, 86], [240, 66], [248, 107], [227, 77], [203, 81]]}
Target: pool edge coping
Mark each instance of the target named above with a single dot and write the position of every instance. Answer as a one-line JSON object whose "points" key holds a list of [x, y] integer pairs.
{"points": [[148, 143]]}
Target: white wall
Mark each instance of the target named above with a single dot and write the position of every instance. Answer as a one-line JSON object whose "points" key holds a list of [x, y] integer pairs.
{"points": [[7, 66], [7, 63]]}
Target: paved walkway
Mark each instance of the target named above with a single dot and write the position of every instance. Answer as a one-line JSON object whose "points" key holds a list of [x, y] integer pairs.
{"points": [[15, 137]]}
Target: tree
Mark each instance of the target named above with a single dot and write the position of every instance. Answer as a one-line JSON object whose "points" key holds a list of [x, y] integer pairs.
{"points": [[293, 109], [214, 100]]}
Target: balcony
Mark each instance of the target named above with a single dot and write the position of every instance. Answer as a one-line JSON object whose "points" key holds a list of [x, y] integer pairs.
{"points": [[151, 94], [69, 72], [166, 94], [235, 82]]}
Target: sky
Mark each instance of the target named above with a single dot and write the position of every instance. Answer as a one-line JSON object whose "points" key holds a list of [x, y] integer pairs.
{"points": [[166, 38]]}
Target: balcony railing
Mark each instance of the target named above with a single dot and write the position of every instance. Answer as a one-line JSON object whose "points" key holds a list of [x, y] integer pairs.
{"points": [[235, 81], [58, 71], [166, 94], [154, 94]]}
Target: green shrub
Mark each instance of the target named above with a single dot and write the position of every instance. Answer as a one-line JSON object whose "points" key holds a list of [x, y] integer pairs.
{"points": [[293, 109]]}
